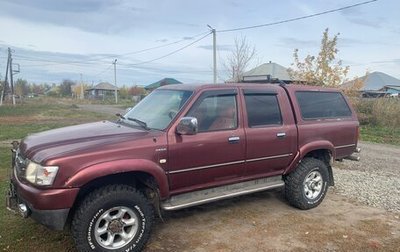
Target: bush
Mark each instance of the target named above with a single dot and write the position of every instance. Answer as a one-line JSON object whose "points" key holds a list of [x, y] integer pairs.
{"points": [[383, 112]]}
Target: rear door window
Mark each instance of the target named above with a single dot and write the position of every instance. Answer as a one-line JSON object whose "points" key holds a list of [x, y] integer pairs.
{"points": [[321, 105], [262, 109]]}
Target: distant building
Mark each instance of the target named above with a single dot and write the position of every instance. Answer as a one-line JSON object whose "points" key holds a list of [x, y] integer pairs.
{"points": [[267, 72], [390, 89], [377, 84], [163, 82], [101, 91]]}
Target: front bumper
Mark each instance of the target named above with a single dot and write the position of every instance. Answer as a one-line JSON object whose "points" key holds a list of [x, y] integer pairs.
{"points": [[53, 219], [49, 207]]}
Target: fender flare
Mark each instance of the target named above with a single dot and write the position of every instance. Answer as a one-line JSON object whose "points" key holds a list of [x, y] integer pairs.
{"points": [[317, 145], [307, 148], [99, 170]]}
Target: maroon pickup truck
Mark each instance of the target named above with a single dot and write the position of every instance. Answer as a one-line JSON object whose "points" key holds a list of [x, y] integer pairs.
{"points": [[181, 146]]}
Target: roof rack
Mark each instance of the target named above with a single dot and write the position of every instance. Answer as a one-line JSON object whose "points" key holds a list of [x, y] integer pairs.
{"points": [[264, 79]]}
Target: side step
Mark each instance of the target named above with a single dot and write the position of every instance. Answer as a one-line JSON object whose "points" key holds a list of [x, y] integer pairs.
{"points": [[222, 192]]}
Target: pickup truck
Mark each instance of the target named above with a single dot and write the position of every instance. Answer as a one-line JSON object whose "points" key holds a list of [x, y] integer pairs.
{"points": [[181, 146]]}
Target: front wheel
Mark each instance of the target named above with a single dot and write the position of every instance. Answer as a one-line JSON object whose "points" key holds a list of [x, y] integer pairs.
{"points": [[113, 218], [306, 187]]}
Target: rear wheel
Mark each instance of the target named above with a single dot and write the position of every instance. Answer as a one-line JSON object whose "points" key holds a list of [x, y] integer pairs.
{"points": [[113, 218], [306, 187]]}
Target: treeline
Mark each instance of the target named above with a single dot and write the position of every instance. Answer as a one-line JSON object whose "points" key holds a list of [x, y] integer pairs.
{"points": [[67, 88]]}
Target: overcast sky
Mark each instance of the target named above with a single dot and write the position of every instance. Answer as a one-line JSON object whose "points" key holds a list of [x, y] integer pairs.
{"points": [[55, 40]]}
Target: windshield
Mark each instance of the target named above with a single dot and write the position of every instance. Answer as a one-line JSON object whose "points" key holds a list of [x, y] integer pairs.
{"points": [[158, 109]]}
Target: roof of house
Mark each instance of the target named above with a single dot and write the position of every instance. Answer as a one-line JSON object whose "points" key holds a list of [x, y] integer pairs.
{"points": [[376, 81], [275, 70], [103, 86], [163, 82], [391, 87]]}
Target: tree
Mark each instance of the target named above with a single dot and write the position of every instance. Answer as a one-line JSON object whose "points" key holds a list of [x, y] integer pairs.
{"points": [[123, 92], [352, 88], [37, 89], [237, 62], [322, 70], [66, 87], [77, 89], [136, 91], [21, 87]]}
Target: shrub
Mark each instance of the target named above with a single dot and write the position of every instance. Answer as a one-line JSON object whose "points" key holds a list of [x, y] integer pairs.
{"points": [[382, 112]]}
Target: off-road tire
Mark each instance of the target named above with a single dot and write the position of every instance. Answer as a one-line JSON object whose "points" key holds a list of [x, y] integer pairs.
{"points": [[296, 190], [102, 201]]}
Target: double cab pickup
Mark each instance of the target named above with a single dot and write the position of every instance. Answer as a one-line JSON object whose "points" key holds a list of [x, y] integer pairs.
{"points": [[181, 146]]}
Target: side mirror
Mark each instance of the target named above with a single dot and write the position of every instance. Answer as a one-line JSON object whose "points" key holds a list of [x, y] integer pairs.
{"points": [[187, 126]]}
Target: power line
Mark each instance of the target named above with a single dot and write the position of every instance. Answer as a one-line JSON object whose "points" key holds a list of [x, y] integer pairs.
{"points": [[134, 64], [297, 18], [169, 54], [60, 62], [52, 62], [155, 69], [157, 47], [105, 70]]}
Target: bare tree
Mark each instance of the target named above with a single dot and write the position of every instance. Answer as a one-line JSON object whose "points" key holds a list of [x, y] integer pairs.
{"points": [[237, 62]]}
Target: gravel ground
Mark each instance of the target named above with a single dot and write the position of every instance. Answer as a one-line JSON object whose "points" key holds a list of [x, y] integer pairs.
{"points": [[375, 180]]}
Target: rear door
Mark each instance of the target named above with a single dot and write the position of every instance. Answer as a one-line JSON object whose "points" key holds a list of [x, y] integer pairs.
{"points": [[271, 134]]}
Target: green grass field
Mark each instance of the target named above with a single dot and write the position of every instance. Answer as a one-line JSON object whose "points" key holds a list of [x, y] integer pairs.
{"points": [[378, 134], [16, 233]]}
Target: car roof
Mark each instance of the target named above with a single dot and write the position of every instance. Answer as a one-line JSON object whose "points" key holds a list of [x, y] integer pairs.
{"points": [[273, 86], [196, 87]]}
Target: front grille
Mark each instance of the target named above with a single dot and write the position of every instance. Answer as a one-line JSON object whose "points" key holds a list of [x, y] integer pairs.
{"points": [[20, 164]]}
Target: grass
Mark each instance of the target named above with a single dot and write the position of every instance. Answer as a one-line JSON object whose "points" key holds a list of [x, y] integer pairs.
{"points": [[379, 119], [17, 234], [17, 122], [379, 134]]}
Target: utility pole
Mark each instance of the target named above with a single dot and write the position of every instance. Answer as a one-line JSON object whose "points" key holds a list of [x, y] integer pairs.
{"points": [[11, 77], [3, 95], [115, 80], [214, 32]]}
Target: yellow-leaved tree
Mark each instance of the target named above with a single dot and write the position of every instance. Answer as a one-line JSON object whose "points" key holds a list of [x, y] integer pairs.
{"points": [[322, 70]]}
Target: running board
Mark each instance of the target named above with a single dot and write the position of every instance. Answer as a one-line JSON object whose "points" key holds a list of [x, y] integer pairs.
{"points": [[222, 192]]}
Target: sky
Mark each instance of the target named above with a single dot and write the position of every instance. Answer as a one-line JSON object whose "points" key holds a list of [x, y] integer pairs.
{"points": [[153, 39]]}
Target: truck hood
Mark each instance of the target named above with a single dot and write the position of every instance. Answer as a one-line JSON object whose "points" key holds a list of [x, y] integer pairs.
{"points": [[74, 139]]}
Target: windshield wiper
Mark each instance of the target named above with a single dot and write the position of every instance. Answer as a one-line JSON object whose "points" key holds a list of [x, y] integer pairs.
{"points": [[120, 116], [139, 122]]}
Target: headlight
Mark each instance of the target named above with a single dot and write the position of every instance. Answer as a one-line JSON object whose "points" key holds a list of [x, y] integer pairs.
{"points": [[40, 175]]}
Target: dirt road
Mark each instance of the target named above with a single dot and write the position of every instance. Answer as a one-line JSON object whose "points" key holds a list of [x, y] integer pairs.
{"points": [[106, 109], [265, 222]]}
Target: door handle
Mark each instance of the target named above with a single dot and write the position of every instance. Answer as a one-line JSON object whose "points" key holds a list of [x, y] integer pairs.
{"points": [[281, 134], [233, 139]]}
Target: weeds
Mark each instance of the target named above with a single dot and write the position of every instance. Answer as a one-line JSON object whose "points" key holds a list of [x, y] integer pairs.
{"points": [[379, 119], [379, 112]]}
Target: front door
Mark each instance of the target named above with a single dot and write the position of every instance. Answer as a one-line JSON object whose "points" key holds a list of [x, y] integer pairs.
{"points": [[215, 155]]}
